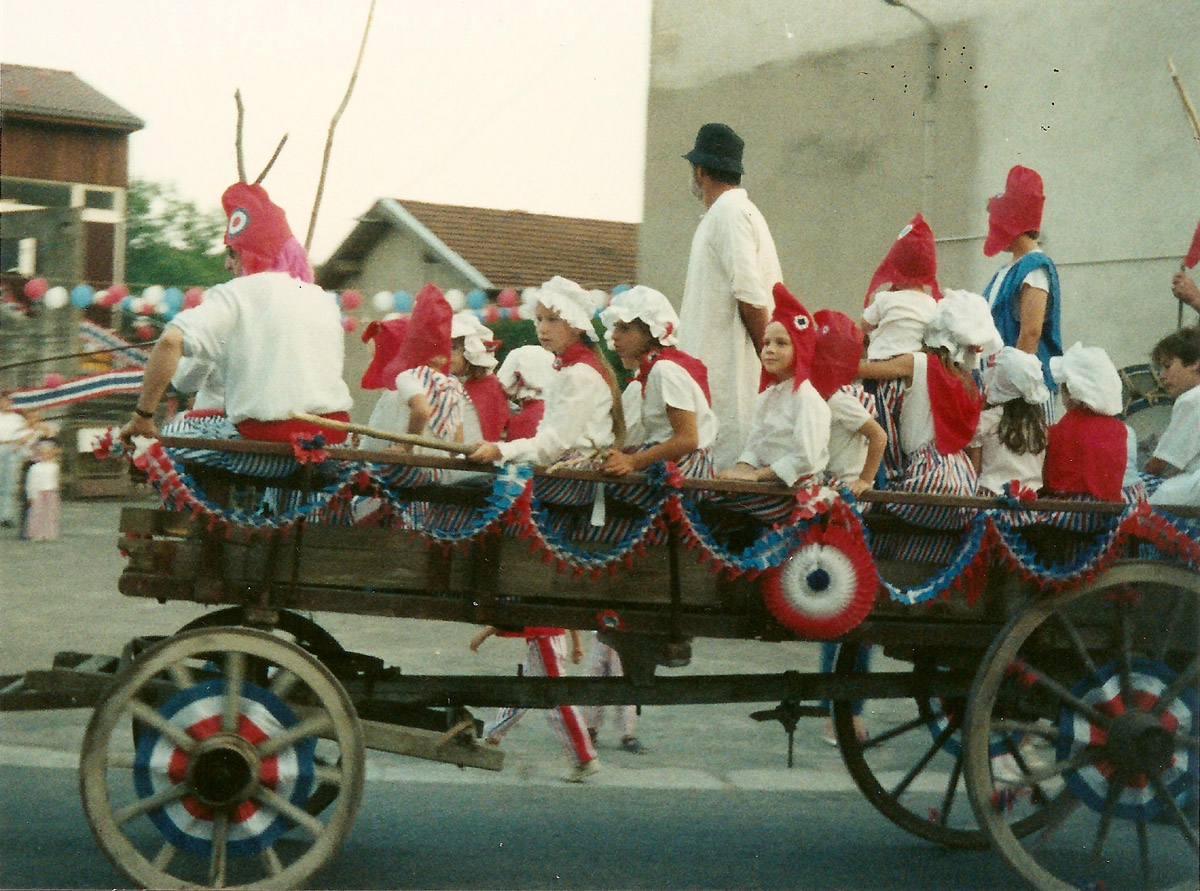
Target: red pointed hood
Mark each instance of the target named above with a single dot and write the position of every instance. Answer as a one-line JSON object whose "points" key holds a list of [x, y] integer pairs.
{"points": [[1015, 210], [428, 335], [911, 262], [799, 324], [839, 348]]}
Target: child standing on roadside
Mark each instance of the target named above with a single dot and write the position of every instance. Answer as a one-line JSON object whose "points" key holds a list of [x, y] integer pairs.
{"points": [[41, 493]]}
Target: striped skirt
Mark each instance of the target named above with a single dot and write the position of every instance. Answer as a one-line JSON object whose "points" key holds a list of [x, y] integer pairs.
{"points": [[889, 397], [215, 426], [932, 472]]}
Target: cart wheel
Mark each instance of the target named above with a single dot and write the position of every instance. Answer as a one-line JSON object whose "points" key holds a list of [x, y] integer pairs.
{"points": [[1100, 683], [910, 767], [214, 792], [300, 629]]}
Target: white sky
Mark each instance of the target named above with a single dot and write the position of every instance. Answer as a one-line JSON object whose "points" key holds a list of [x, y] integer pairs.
{"points": [[535, 105]]}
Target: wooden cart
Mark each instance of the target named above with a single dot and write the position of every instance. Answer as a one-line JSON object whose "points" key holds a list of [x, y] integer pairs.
{"points": [[232, 753]]}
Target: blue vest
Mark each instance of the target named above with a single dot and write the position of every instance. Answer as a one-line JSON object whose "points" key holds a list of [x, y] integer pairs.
{"points": [[1006, 309]]}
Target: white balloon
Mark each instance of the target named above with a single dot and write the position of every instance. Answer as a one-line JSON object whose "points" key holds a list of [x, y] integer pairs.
{"points": [[456, 298], [383, 301], [136, 304], [153, 294], [56, 298]]}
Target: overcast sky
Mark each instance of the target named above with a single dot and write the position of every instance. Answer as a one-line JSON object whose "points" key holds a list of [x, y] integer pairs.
{"points": [[535, 105]]}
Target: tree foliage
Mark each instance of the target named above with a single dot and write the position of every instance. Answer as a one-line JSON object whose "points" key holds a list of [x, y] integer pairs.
{"points": [[171, 241]]}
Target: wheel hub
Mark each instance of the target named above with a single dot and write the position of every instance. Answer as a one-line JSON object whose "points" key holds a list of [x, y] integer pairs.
{"points": [[1139, 743], [223, 771]]}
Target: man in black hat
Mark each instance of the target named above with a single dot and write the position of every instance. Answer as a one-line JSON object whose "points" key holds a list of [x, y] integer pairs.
{"points": [[727, 294]]}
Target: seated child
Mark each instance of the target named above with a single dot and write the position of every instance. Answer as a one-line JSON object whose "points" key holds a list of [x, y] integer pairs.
{"points": [[485, 413], [856, 440], [1010, 441], [667, 407], [583, 410], [895, 321], [1177, 455], [525, 374], [789, 435], [941, 406], [1087, 449]]}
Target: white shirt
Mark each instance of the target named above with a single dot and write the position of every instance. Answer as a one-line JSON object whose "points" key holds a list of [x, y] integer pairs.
{"points": [[277, 342], [42, 477], [790, 432], [578, 417], [916, 419], [446, 397], [1179, 444], [847, 447], [13, 429], [668, 385], [732, 260], [900, 318], [998, 464], [203, 379], [1037, 278]]}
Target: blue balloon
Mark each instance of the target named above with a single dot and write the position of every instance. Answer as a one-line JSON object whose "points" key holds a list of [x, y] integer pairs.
{"points": [[125, 303], [476, 299], [404, 301], [620, 289], [167, 314], [81, 296], [173, 298]]}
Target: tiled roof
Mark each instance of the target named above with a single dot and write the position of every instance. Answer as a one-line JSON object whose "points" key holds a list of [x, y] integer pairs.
{"points": [[47, 93]]}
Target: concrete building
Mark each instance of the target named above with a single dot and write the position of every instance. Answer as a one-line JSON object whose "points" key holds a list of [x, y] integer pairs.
{"points": [[858, 114]]}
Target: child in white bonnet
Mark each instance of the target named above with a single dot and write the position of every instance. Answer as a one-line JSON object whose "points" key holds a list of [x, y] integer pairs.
{"points": [[1010, 441], [525, 375]]}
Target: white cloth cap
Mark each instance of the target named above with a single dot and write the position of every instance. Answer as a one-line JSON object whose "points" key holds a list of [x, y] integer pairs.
{"points": [[1016, 374], [963, 326], [574, 305], [1090, 376], [474, 333], [526, 372], [647, 304]]}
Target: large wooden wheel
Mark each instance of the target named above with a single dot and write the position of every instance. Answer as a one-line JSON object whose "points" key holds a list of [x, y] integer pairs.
{"points": [[910, 766], [214, 792], [1096, 689]]}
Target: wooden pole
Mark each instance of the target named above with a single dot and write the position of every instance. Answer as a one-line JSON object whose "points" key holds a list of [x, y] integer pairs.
{"points": [[1190, 111], [312, 220], [271, 163], [241, 114], [425, 441]]}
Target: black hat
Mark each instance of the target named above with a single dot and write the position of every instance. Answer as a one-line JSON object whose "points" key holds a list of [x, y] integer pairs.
{"points": [[717, 148]]}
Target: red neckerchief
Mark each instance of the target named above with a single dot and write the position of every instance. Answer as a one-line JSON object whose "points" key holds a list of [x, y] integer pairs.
{"points": [[1085, 455], [490, 403], [956, 407], [578, 353], [690, 364], [524, 424]]}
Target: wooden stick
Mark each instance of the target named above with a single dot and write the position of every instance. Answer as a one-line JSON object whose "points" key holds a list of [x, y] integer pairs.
{"points": [[271, 163], [1188, 108], [427, 442], [241, 114], [312, 220]]}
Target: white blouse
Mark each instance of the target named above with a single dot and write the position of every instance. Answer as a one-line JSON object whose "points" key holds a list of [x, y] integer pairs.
{"points": [[668, 385], [790, 432], [578, 417]]}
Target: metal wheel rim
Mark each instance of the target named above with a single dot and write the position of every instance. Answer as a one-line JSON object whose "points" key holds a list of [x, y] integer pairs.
{"points": [[334, 717], [980, 784]]}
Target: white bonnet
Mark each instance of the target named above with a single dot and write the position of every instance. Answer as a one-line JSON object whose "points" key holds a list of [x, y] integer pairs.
{"points": [[1016, 374], [574, 305], [964, 326], [647, 304], [475, 337], [526, 372], [1090, 376]]}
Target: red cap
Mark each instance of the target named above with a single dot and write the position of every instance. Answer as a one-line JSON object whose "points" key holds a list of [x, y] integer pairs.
{"points": [[838, 352], [257, 228], [428, 335], [799, 324], [385, 364], [912, 261], [1015, 210]]}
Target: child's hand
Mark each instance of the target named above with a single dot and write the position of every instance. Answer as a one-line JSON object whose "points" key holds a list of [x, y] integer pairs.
{"points": [[738, 472], [618, 464], [477, 639], [485, 453], [857, 487]]}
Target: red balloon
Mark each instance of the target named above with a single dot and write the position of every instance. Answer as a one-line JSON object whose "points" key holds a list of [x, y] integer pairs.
{"points": [[147, 308], [144, 332], [117, 292], [350, 300], [350, 323], [36, 288], [491, 313], [53, 379], [192, 297], [508, 297]]}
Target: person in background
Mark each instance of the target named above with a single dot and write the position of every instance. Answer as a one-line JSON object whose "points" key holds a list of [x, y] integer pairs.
{"points": [[1024, 295], [1010, 441], [14, 436], [727, 292], [473, 362], [525, 375], [1177, 455], [41, 493]]}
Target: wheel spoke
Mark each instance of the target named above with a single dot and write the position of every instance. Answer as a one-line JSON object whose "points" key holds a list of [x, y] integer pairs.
{"points": [[270, 798], [235, 673], [1008, 725], [933, 749], [327, 773], [181, 676], [951, 788], [313, 725], [161, 798], [1035, 676], [164, 856], [1144, 853], [1077, 639], [220, 841], [1182, 601], [1037, 777], [283, 682], [122, 760], [1023, 765], [1115, 788], [898, 730], [1126, 649], [148, 715], [1057, 812], [1177, 817], [272, 862], [1186, 679]]}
